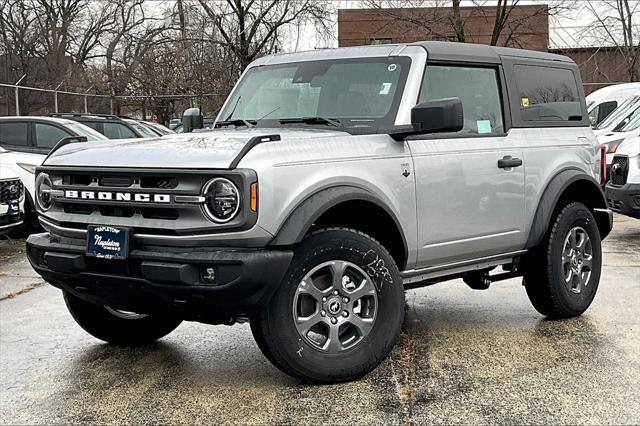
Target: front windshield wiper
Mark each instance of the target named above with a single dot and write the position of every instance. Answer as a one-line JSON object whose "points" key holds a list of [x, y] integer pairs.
{"points": [[236, 122], [311, 120]]}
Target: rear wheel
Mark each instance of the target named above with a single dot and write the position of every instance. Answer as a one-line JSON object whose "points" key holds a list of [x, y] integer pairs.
{"points": [[562, 274], [116, 326], [338, 312]]}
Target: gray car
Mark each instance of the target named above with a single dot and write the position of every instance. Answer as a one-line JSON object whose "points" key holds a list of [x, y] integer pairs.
{"points": [[332, 181]]}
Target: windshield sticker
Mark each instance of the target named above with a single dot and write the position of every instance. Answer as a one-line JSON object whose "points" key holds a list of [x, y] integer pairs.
{"points": [[484, 126], [525, 102], [386, 87], [392, 67]]}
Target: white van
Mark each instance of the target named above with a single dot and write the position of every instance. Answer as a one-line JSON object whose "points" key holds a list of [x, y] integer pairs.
{"points": [[623, 189], [604, 101]]}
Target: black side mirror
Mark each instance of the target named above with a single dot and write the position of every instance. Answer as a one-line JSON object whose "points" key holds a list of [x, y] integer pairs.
{"points": [[438, 115], [192, 119]]}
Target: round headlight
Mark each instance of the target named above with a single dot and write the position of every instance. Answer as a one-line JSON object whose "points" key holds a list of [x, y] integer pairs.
{"points": [[223, 200], [43, 191]]}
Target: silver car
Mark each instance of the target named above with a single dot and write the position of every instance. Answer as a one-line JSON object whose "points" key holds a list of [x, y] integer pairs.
{"points": [[332, 181]]}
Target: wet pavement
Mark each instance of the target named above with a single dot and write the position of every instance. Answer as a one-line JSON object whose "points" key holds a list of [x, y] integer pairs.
{"points": [[465, 357]]}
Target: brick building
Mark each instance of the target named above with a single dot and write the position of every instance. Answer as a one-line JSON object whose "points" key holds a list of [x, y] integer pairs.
{"points": [[526, 27]]}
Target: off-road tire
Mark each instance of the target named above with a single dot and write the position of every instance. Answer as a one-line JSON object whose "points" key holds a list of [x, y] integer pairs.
{"points": [[544, 277], [276, 334], [99, 322]]}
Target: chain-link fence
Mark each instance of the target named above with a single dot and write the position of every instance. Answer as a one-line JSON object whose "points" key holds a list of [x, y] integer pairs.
{"points": [[23, 100]]}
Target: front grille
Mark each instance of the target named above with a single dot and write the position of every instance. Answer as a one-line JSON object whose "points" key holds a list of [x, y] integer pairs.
{"points": [[619, 170], [146, 201], [11, 189]]}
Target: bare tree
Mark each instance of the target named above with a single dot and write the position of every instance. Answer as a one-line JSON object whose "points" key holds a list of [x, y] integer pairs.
{"points": [[616, 23], [249, 28]]}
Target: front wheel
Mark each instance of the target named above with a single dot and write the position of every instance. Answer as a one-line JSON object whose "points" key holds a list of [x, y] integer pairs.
{"points": [[119, 327], [337, 313], [562, 274]]}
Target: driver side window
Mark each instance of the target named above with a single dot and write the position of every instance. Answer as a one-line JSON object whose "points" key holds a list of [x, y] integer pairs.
{"points": [[476, 87]]}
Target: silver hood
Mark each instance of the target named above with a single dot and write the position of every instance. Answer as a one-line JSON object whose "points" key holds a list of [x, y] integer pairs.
{"points": [[207, 150]]}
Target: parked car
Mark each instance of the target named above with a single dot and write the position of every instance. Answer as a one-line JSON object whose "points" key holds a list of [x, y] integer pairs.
{"points": [[11, 198], [334, 180], [113, 127], [157, 128], [28, 140], [604, 101], [623, 188]]}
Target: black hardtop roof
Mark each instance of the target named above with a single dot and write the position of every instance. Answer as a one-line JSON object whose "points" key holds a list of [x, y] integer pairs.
{"points": [[469, 52]]}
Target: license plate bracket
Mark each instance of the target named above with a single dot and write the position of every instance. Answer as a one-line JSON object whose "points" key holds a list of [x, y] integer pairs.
{"points": [[107, 242]]}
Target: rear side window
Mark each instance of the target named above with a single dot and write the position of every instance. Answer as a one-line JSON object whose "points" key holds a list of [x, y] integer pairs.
{"points": [[14, 134], [476, 87], [547, 94], [117, 131], [48, 136]]}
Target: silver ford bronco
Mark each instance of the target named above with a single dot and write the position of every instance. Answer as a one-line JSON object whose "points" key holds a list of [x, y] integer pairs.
{"points": [[333, 181]]}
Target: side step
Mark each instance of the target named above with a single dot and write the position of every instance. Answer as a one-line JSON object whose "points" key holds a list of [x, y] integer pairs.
{"points": [[475, 272]]}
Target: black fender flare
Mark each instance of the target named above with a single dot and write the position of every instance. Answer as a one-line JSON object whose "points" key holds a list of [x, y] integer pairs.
{"points": [[552, 193], [298, 223]]}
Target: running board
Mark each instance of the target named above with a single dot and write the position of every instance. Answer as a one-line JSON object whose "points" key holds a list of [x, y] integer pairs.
{"points": [[412, 276]]}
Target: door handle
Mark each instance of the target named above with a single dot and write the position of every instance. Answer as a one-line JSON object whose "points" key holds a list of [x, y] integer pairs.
{"points": [[508, 161]]}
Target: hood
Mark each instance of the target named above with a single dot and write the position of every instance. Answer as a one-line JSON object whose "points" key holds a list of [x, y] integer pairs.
{"points": [[615, 136], [206, 150], [629, 147]]}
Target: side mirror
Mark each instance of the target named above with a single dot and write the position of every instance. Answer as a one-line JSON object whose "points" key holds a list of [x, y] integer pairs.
{"points": [[192, 119], [438, 115]]}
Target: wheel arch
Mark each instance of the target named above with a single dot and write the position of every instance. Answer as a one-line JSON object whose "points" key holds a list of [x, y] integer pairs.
{"points": [[566, 186], [344, 206]]}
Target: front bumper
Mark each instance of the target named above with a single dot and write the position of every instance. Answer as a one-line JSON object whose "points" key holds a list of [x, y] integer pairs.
{"points": [[10, 216], [164, 279], [624, 199]]}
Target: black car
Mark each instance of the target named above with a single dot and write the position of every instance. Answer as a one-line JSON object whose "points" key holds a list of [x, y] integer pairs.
{"points": [[111, 126]]}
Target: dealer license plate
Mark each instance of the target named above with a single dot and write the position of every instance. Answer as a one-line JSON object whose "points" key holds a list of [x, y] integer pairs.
{"points": [[107, 242]]}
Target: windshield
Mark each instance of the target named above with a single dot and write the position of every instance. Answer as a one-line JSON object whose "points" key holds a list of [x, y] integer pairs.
{"points": [[633, 123], [82, 130], [355, 92], [619, 113], [144, 131], [158, 128]]}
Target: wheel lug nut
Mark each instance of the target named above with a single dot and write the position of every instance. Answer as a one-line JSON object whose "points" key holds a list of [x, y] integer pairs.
{"points": [[335, 292], [345, 300], [324, 299], [334, 320], [323, 313], [345, 314]]}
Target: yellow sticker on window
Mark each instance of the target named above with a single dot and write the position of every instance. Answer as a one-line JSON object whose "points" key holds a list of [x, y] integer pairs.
{"points": [[525, 102]]}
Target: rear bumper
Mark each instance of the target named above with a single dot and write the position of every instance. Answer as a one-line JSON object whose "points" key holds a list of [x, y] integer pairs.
{"points": [[161, 279], [624, 199]]}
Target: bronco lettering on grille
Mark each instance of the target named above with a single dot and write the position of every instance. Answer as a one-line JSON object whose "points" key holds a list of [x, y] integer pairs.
{"points": [[117, 196]]}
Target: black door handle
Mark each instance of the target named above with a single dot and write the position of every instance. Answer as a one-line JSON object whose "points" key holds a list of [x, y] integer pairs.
{"points": [[508, 161]]}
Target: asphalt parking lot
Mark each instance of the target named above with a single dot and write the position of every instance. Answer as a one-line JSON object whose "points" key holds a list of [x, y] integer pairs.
{"points": [[465, 357]]}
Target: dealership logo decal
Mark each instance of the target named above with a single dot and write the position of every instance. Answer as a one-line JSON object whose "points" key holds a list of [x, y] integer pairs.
{"points": [[137, 197]]}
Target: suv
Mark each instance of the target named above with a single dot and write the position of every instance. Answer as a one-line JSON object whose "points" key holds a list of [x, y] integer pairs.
{"points": [[11, 199], [111, 126], [27, 140], [334, 180]]}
